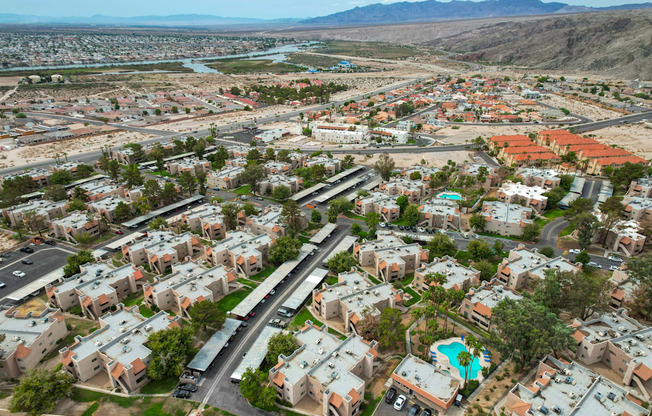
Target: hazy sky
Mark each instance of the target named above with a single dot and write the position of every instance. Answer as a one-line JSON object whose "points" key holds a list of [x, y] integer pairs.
{"points": [[265, 9]]}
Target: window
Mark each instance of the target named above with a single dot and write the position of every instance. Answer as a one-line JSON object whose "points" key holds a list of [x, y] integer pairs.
{"points": [[96, 368]]}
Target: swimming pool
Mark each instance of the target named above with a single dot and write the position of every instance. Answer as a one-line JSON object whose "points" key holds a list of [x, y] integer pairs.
{"points": [[451, 351], [450, 195]]}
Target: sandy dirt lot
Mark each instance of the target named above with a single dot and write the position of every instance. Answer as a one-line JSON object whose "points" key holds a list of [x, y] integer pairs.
{"points": [[404, 160], [6, 242], [637, 138], [29, 154], [587, 110], [465, 134]]}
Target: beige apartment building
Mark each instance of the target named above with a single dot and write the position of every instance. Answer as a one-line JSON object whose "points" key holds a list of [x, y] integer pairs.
{"points": [[189, 164], [378, 202], [458, 277], [543, 178], [117, 352], [522, 266], [440, 213], [268, 184], [528, 196], [479, 302], [106, 206], [47, 210], [73, 224], [244, 252], [414, 190], [225, 178], [388, 257], [161, 249], [28, 337], [505, 219], [329, 371]]}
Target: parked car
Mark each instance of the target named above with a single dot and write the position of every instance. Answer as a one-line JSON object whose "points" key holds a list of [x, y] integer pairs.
{"points": [[400, 402], [574, 251], [390, 396], [413, 229], [244, 324], [614, 267], [400, 227], [181, 394], [382, 225], [119, 232], [616, 259], [188, 387], [27, 261], [278, 323], [18, 273], [284, 312], [421, 229], [593, 264], [414, 410], [27, 249], [2, 284], [426, 412]]}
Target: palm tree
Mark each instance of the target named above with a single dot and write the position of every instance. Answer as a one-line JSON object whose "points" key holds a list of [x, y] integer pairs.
{"points": [[465, 359], [475, 346]]}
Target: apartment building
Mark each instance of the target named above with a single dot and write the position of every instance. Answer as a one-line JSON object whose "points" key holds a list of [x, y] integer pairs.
{"points": [[161, 249], [563, 388], [528, 196], [497, 143], [207, 220], [296, 159], [558, 141], [597, 166], [238, 151], [225, 178], [268, 184], [479, 303], [329, 371], [47, 210], [70, 167], [189, 164], [238, 162], [378, 202], [626, 237], [73, 224], [505, 219], [243, 251], [390, 135], [532, 159], [41, 177], [475, 170], [641, 188], [274, 167], [189, 283], [440, 213], [118, 349], [271, 135], [637, 208], [28, 336], [422, 171], [339, 133], [101, 188], [414, 190], [524, 265], [458, 277], [388, 257], [354, 297], [623, 288], [269, 222], [97, 288], [332, 165], [541, 178], [415, 377], [106, 206]]}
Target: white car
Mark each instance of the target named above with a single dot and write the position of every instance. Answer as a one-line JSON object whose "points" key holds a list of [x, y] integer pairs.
{"points": [[2, 284], [421, 230], [613, 267], [382, 225], [18, 273], [398, 404], [574, 251], [616, 259]]}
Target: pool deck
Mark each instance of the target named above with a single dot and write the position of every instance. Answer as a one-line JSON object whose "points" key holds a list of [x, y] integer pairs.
{"points": [[444, 364]]}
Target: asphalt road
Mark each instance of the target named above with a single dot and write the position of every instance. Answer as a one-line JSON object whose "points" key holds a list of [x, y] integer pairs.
{"points": [[46, 259], [217, 389], [596, 125]]}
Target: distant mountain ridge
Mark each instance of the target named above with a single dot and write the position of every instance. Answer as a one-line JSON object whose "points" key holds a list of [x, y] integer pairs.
{"points": [[433, 10]]}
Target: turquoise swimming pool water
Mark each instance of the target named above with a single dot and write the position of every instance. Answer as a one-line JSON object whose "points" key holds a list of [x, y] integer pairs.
{"points": [[450, 195], [451, 351]]}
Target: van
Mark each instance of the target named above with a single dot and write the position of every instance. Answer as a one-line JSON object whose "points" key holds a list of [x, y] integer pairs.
{"points": [[284, 312]]}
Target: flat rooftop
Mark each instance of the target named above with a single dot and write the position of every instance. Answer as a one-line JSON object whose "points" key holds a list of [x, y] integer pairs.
{"points": [[425, 376], [456, 274], [299, 296]]}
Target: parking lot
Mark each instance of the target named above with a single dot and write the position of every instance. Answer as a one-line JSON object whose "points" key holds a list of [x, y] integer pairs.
{"points": [[45, 259], [385, 409]]}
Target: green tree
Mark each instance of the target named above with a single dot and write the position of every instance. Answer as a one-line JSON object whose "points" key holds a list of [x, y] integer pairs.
{"points": [[83, 238], [284, 249], [249, 209], [170, 349], [612, 212], [479, 250], [498, 247], [230, 212], [372, 219], [152, 192], [254, 388], [291, 215], [477, 222], [73, 262], [206, 314], [582, 257], [531, 231], [391, 331], [157, 223], [55, 193], [384, 166], [131, 176], [315, 216], [122, 211], [586, 225], [187, 182], [348, 161], [525, 331], [403, 202], [34, 221], [486, 269], [199, 149], [39, 390], [281, 193], [168, 193], [138, 153], [80, 193], [113, 169], [547, 251], [356, 229], [281, 344], [76, 205], [252, 174], [441, 245], [254, 155], [640, 271], [158, 154], [412, 214], [270, 154], [60, 177], [341, 262]]}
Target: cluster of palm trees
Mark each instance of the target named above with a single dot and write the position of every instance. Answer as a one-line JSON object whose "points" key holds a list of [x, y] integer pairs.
{"points": [[467, 357], [436, 299]]}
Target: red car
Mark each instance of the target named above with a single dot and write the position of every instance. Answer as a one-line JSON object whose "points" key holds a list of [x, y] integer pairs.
{"points": [[252, 314], [119, 232]]}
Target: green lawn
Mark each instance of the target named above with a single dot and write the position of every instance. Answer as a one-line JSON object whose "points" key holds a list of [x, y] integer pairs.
{"points": [[91, 409], [415, 297], [371, 403], [160, 386], [132, 300], [231, 300], [567, 231], [247, 283], [263, 274], [353, 216], [552, 214], [243, 190], [302, 317], [401, 222], [409, 277], [85, 396], [463, 257], [331, 280], [146, 311]]}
